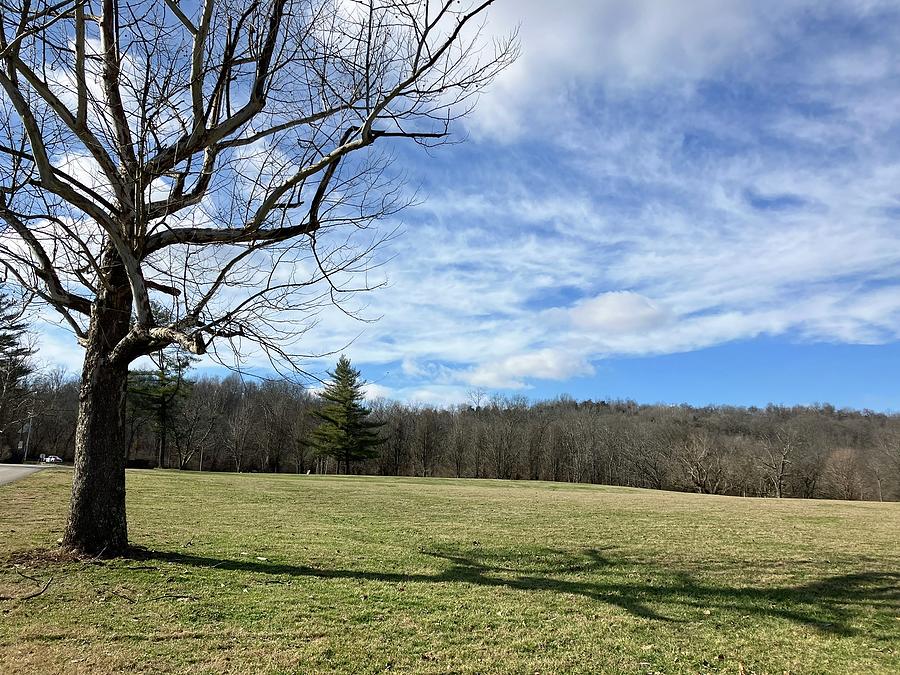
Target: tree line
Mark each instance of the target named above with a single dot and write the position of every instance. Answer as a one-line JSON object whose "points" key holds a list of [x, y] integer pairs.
{"points": [[234, 424]]}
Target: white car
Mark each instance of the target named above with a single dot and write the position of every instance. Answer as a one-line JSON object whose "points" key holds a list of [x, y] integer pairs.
{"points": [[52, 459]]}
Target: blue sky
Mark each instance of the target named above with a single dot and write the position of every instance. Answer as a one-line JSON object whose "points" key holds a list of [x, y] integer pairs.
{"points": [[682, 202]]}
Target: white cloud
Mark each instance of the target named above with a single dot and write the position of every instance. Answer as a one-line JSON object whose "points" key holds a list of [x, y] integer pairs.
{"points": [[436, 395], [57, 348], [373, 391], [622, 43], [618, 312], [542, 364]]}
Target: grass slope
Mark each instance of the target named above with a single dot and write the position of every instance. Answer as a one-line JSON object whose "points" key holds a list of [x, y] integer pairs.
{"points": [[282, 574]]}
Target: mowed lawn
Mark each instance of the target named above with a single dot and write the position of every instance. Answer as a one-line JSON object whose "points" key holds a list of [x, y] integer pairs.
{"points": [[300, 574]]}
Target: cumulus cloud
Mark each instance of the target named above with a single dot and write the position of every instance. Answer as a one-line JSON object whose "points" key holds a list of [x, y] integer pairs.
{"points": [[618, 312], [373, 391], [542, 364]]}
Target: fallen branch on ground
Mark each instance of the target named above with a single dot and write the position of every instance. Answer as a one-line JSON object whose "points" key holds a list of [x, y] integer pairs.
{"points": [[33, 594]]}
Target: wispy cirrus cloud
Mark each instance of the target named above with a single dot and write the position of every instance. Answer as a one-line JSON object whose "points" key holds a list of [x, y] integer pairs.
{"points": [[654, 178], [651, 177]]}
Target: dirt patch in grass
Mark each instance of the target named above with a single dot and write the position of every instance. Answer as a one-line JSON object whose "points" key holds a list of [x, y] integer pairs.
{"points": [[43, 557]]}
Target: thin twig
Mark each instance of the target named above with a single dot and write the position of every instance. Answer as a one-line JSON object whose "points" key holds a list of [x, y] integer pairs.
{"points": [[25, 576], [123, 596], [33, 594]]}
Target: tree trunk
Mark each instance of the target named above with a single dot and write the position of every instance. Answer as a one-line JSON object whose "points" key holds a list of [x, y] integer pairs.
{"points": [[163, 423], [97, 523]]}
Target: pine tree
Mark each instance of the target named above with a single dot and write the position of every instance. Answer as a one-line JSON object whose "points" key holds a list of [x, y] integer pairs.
{"points": [[345, 432], [157, 392], [15, 367]]}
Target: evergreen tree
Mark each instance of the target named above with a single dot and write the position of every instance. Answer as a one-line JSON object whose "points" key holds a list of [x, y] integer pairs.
{"points": [[156, 393], [15, 367], [345, 432]]}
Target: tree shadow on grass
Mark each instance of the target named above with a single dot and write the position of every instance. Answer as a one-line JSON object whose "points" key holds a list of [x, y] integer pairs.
{"points": [[829, 604]]}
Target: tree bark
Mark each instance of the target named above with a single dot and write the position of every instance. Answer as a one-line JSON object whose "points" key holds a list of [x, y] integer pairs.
{"points": [[97, 523]]}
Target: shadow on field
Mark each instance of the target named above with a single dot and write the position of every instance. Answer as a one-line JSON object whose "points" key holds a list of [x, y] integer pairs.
{"points": [[829, 604]]}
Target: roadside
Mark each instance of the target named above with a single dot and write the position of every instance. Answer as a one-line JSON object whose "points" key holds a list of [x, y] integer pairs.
{"points": [[11, 472]]}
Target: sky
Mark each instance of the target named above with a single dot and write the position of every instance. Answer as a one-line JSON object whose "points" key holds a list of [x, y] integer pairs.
{"points": [[693, 202]]}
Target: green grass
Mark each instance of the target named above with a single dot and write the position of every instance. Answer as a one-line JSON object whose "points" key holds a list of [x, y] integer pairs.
{"points": [[283, 574]]}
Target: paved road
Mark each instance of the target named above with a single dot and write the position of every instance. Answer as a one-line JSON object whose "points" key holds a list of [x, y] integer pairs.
{"points": [[11, 472]]}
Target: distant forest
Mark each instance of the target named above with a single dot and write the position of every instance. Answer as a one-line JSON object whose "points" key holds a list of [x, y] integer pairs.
{"points": [[228, 424]]}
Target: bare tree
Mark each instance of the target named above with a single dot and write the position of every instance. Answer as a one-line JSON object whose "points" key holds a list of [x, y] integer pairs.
{"points": [[845, 474], [398, 430], [538, 431], [241, 422], [886, 463], [218, 160], [703, 460], [429, 439], [55, 409], [458, 443], [506, 434], [301, 426], [277, 409], [779, 446], [650, 455], [196, 422]]}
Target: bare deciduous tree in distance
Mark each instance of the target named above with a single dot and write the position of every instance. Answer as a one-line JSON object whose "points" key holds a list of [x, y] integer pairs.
{"points": [[779, 447], [213, 157]]}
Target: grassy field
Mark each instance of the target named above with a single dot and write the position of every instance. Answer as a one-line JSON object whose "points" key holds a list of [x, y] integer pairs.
{"points": [[285, 574]]}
